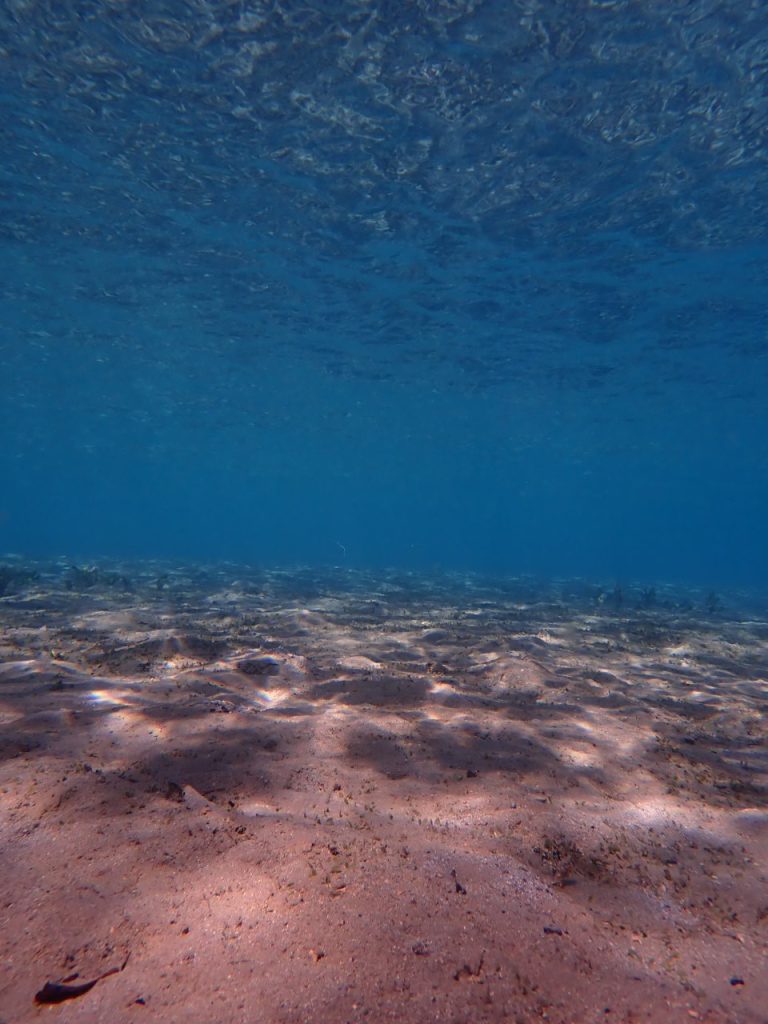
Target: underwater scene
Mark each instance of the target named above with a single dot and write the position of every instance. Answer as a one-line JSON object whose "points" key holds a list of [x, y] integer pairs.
{"points": [[383, 503]]}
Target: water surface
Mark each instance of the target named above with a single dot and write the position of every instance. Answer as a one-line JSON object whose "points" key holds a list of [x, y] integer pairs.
{"points": [[462, 284]]}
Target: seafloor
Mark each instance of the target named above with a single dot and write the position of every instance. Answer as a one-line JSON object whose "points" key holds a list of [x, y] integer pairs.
{"points": [[303, 796]]}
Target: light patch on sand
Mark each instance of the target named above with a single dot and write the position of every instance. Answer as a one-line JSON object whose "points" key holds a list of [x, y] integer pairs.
{"points": [[180, 663], [17, 667], [439, 688], [660, 810], [271, 698], [359, 663], [752, 819], [466, 812], [487, 657], [256, 808], [585, 726], [680, 651], [105, 699], [580, 757], [126, 718], [35, 667], [339, 712], [437, 714]]}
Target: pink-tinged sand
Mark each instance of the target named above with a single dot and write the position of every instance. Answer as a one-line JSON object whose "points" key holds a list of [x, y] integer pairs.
{"points": [[380, 806]]}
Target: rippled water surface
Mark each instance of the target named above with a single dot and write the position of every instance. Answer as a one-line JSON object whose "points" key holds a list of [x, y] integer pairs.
{"points": [[463, 284]]}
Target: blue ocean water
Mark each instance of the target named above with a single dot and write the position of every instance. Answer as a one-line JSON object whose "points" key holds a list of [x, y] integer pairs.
{"points": [[440, 283]]}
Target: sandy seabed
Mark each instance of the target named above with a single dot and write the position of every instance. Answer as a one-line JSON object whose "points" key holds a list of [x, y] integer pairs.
{"points": [[301, 796]]}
